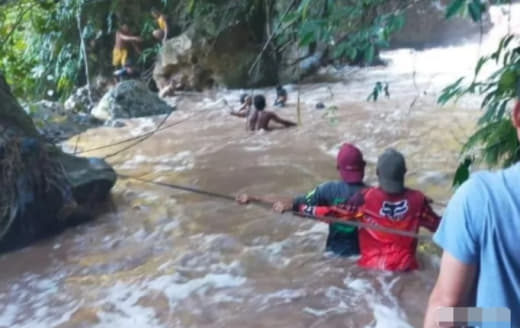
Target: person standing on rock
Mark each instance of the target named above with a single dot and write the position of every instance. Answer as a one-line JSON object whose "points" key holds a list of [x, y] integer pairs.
{"points": [[161, 33], [479, 236], [342, 239], [260, 118], [120, 54]]}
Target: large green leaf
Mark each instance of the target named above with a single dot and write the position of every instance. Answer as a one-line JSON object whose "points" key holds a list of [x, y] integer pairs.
{"points": [[507, 81], [454, 8], [475, 10]]}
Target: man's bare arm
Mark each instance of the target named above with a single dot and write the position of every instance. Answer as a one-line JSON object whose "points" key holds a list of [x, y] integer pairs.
{"points": [[128, 37], [281, 121], [239, 114], [242, 111], [453, 287], [279, 204]]}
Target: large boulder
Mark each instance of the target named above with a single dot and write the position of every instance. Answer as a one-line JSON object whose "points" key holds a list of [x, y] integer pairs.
{"points": [[43, 189], [192, 62], [129, 99]]}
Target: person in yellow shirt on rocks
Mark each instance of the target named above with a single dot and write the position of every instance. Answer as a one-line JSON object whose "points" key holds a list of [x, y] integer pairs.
{"points": [[161, 33]]}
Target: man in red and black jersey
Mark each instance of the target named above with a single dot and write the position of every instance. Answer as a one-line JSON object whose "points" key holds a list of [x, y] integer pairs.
{"points": [[342, 239], [391, 205]]}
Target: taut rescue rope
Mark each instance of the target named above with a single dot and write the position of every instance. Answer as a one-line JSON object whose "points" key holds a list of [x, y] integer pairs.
{"points": [[326, 219]]}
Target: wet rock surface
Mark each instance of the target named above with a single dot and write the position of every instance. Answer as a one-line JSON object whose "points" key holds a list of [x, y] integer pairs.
{"points": [[191, 62], [56, 124], [43, 189], [82, 100], [129, 99]]}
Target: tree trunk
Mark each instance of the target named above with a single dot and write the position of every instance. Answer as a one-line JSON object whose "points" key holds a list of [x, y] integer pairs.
{"points": [[11, 113]]}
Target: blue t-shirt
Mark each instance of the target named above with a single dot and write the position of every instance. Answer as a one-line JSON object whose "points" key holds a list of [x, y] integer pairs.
{"points": [[481, 226]]}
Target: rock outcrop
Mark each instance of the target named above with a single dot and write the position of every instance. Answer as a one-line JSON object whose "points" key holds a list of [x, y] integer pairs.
{"points": [[192, 62], [43, 189], [79, 100], [129, 99]]}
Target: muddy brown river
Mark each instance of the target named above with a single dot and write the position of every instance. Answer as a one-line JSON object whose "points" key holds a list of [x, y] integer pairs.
{"points": [[165, 258]]}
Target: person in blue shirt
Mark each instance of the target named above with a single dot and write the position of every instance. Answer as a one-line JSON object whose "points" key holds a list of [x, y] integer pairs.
{"points": [[479, 235]]}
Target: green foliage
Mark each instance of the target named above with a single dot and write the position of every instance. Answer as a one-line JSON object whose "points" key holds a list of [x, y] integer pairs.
{"points": [[353, 30], [473, 8], [463, 172], [40, 39], [495, 142], [41, 54]]}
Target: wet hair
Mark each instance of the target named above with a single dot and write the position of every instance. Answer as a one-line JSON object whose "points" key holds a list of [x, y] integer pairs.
{"points": [[243, 98], [259, 102], [279, 87]]}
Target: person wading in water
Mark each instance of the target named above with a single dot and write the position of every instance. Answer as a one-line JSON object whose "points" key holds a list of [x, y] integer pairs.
{"points": [[260, 118], [246, 103], [391, 205], [281, 96], [342, 239]]}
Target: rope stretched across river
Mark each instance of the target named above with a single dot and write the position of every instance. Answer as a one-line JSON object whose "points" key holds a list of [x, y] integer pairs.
{"points": [[139, 138], [326, 219]]}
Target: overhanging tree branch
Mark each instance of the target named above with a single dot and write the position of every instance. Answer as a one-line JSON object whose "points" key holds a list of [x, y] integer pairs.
{"points": [[271, 37]]}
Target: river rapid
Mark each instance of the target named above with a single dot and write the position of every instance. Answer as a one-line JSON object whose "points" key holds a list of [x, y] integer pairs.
{"points": [[164, 258]]}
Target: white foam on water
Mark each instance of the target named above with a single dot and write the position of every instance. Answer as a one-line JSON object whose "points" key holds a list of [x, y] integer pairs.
{"points": [[317, 228], [361, 286], [181, 161], [126, 311], [341, 307], [8, 315], [144, 125], [176, 291], [259, 141], [385, 316], [20, 304], [273, 253]]}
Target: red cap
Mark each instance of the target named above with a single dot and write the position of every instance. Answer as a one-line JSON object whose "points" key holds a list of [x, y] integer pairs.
{"points": [[350, 164]]}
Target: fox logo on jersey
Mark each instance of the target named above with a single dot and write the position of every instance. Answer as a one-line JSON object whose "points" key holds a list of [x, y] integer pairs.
{"points": [[394, 211]]}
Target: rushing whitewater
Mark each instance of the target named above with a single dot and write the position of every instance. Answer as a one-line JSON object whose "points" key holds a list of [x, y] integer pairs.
{"points": [[165, 258]]}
